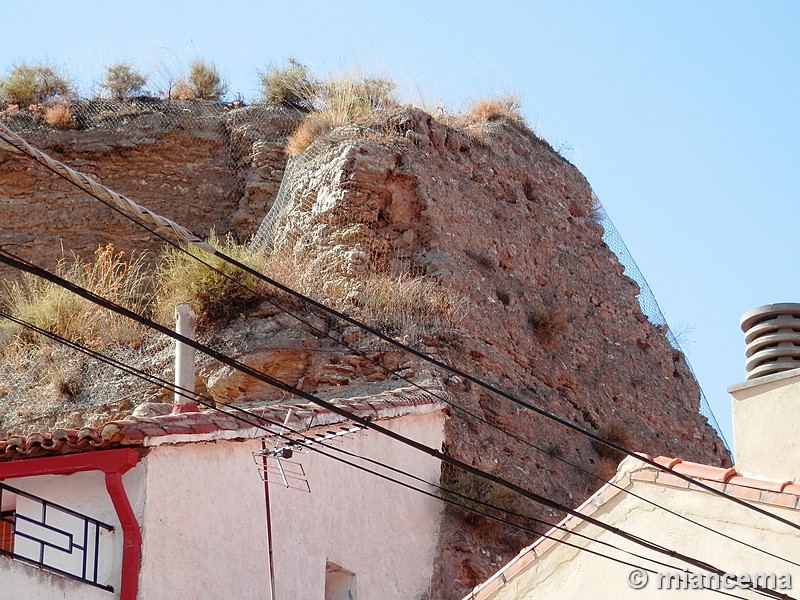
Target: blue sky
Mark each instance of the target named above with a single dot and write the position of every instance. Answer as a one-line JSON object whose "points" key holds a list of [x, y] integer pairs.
{"points": [[682, 115]]}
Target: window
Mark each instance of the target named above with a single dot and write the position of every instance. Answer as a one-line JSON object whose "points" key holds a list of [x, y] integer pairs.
{"points": [[51, 536], [340, 584], [7, 531]]}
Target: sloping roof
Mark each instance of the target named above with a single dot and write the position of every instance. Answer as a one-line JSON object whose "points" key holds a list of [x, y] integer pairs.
{"points": [[211, 424], [778, 493]]}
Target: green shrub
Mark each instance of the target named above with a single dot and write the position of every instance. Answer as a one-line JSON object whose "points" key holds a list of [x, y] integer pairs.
{"points": [[123, 80], [28, 84], [203, 83], [292, 85], [215, 298]]}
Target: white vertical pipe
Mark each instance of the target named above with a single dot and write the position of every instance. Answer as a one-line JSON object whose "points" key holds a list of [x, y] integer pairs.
{"points": [[185, 325]]}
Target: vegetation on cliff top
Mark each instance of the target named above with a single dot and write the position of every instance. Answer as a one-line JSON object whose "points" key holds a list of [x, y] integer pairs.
{"points": [[47, 94]]}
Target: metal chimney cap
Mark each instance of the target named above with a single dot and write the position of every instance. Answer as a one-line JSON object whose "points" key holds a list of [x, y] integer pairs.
{"points": [[772, 335], [768, 311]]}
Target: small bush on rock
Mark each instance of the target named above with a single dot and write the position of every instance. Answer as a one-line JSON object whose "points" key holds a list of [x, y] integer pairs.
{"points": [[28, 84], [342, 100], [292, 85], [214, 295], [122, 80], [205, 82]]}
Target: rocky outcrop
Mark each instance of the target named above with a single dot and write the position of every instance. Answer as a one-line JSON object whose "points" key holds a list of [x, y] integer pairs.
{"points": [[504, 222], [204, 170], [489, 214]]}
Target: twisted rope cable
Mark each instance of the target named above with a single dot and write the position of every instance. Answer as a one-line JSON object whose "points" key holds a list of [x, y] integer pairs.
{"points": [[11, 141]]}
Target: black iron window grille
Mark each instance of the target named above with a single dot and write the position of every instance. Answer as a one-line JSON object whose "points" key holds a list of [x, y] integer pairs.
{"points": [[51, 536]]}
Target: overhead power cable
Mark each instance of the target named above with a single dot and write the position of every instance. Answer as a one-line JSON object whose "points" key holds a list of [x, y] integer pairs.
{"points": [[314, 443], [102, 194], [129, 208], [31, 152], [18, 263]]}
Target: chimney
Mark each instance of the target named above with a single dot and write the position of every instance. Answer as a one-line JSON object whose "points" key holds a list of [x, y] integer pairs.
{"points": [[185, 320], [766, 406]]}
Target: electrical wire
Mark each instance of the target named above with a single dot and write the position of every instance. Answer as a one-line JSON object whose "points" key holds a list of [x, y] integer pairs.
{"points": [[314, 443], [20, 264], [182, 232], [127, 207]]}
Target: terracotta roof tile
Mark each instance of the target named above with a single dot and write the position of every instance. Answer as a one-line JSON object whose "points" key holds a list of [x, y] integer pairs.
{"points": [[666, 461], [143, 430], [701, 471], [759, 484]]}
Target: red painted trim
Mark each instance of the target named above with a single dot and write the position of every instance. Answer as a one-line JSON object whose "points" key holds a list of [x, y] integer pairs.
{"points": [[114, 463], [131, 537], [189, 406], [107, 461]]}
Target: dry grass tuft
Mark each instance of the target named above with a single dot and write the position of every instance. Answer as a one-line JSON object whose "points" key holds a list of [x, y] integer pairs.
{"points": [[182, 90], [59, 115], [504, 108], [546, 323], [55, 309], [616, 431], [343, 100], [312, 128], [407, 304]]}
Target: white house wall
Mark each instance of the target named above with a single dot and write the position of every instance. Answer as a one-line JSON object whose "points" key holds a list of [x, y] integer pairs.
{"points": [[563, 572], [203, 526], [384, 534]]}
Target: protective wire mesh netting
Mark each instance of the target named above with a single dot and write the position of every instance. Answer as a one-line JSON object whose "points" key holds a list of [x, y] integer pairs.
{"points": [[50, 385], [246, 128], [647, 301], [250, 133], [268, 232], [84, 114], [264, 240]]}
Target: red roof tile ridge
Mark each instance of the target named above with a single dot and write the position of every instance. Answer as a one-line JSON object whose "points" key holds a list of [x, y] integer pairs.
{"points": [[727, 475], [703, 471], [134, 430]]}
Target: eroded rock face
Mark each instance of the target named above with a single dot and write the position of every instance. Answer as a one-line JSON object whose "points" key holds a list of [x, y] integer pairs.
{"points": [[504, 222], [217, 173], [495, 217]]}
